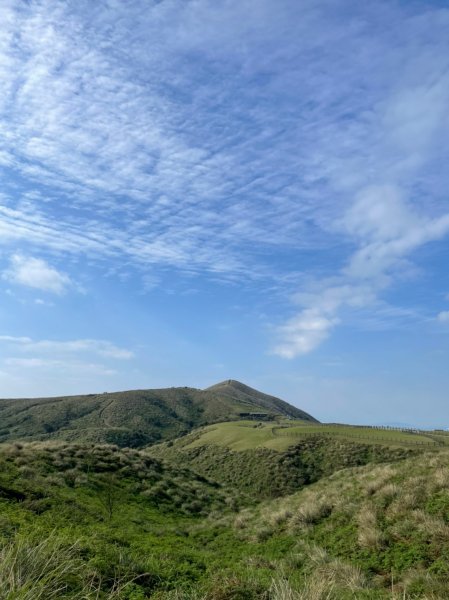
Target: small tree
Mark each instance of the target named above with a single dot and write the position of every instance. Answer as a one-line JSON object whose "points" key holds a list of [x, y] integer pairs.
{"points": [[109, 493]]}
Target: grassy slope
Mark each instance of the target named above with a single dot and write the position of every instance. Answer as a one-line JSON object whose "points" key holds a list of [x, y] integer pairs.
{"points": [[247, 435], [133, 418], [365, 530], [260, 460], [347, 536], [129, 514]]}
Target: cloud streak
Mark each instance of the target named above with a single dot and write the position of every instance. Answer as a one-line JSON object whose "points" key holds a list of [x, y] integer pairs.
{"points": [[70, 347]]}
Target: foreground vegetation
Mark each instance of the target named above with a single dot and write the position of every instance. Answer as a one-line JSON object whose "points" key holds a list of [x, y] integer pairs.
{"points": [[97, 521]]}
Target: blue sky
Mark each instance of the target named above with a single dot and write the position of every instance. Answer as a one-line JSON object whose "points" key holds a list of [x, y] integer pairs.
{"points": [[199, 190]]}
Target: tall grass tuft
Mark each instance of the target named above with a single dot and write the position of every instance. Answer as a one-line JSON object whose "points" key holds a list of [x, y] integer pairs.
{"points": [[281, 590], [312, 589], [45, 570], [49, 569]]}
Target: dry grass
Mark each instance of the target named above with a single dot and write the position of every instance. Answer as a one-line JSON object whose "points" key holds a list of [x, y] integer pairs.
{"points": [[441, 478], [180, 595], [334, 571], [400, 503], [325, 582], [281, 590], [369, 535], [311, 512], [312, 589], [280, 517], [240, 522], [432, 527], [389, 491]]}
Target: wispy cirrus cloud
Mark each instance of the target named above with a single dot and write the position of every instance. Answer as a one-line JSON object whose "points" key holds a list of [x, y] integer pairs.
{"points": [[145, 135], [67, 347], [387, 218], [387, 231], [32, 367], [126, 134]]}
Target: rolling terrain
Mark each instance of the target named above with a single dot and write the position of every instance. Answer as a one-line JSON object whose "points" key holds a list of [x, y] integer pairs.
{"points": [[271, 459], [242, 497], [80, 521], [135, 418]]}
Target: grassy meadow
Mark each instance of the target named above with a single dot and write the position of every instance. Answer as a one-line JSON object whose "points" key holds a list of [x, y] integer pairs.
{"points": [[280, 435]]}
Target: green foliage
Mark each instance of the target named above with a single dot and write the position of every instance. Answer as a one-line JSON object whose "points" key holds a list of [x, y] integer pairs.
{"points": [[388, 520]]}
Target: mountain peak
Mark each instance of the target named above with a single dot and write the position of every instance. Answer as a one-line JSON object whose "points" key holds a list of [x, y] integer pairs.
{"points": [[232, 383], [243, 393]]}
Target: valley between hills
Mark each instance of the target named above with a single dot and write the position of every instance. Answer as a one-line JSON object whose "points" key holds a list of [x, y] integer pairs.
{"points": [[218, 494]]}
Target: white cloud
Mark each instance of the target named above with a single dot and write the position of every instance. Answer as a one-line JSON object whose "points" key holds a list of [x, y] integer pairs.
{"points": [[82, 346], [387, 231], [49, 365], [101, 129], [31, 367], [41, 302], [386, 221], [16, 340], [443, 316], [304, 333], [379, 213], [100, 347], [33, 362], [36, 273]]}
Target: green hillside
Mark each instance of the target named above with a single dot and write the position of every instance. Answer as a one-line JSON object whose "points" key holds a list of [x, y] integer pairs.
{"points": [[377, 531], [78, 520], [281, 434], [134, 418], [81, 521], [267, 459]]}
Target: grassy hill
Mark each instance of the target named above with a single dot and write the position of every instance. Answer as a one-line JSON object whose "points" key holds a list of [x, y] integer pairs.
{"points": [[134, 418], [269, 459], [377, 531], [81, 521]]}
